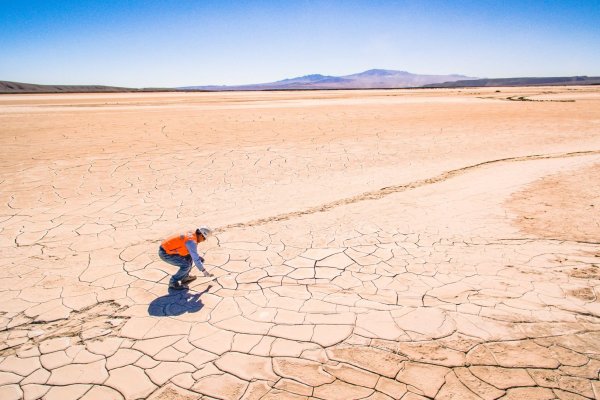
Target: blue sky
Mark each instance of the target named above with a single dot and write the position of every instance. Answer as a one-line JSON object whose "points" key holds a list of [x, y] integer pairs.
{"points": [[180, 42]]}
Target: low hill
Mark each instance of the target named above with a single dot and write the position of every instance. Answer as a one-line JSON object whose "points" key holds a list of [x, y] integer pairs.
{"points": [[531, 81], [19, 87]]}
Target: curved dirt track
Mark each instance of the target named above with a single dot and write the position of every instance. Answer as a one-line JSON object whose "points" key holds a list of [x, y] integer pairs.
{"points": [[371, 245], [379, 193]]}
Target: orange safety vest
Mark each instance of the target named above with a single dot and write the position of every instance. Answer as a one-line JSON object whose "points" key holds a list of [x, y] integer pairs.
{"points": [[176, 244]]}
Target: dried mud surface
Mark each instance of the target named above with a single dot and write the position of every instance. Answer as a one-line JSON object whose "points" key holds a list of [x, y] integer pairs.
{"points": [[413, 244], [564, 206]]}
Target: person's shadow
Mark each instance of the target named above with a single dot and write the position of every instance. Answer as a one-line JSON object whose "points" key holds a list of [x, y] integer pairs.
{"points": [[177, 302]]}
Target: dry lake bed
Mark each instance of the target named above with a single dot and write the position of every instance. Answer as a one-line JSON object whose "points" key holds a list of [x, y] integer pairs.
{"points": [[384, 244]]}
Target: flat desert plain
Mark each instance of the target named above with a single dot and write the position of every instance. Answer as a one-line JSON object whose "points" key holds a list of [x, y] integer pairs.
{"points": [[387, 244]]}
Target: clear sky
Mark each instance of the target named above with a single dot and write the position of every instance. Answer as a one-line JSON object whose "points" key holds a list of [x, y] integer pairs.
{"points": [[141, 43]]}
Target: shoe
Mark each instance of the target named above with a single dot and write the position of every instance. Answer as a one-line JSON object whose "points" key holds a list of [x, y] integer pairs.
{"points": [[177, 286], [188, 279]]}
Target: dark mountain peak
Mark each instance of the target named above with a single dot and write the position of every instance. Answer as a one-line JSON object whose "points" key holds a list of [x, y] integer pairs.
{"points": [[381, 72], [314, 76], [306, 78]]}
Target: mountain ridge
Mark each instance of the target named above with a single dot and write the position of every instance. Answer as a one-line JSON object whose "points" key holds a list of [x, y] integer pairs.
{"points": [[369, 79], [11, 87], [520, 81]]}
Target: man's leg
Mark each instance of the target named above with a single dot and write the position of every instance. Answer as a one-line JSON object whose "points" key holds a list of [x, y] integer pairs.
{"points": [[184, 270], [184, 263]]}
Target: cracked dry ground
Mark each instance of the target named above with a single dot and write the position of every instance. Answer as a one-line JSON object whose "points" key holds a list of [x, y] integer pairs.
{"points": [[371, 245]]}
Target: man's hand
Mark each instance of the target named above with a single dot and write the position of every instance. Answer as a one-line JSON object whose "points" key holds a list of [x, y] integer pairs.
{"points": [[207, 274]]}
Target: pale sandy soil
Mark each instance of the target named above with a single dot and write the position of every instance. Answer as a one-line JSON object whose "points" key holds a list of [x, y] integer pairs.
{"points": [[563, 206], [370, 244]]}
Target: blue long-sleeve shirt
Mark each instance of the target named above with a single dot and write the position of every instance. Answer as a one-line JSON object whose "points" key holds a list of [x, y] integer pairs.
{"points": [[193, 249]]}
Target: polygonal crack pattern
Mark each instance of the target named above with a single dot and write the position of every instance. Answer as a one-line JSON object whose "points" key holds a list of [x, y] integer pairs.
{"points": [[420, 293]]}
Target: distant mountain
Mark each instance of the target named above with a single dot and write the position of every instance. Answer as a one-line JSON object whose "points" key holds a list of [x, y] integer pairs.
{"points": [[532, 81], [311, 79], [8, 87], [19, 87], [371, 79]]}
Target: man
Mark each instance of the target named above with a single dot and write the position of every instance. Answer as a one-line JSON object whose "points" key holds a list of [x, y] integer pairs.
{"points": [[181, 250]]}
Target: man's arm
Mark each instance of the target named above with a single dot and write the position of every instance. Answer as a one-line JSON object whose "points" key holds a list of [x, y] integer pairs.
{"points": [[193, 249]]}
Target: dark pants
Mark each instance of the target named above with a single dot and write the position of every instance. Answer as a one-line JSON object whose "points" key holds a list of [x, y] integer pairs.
{"points": [[184, 263]]}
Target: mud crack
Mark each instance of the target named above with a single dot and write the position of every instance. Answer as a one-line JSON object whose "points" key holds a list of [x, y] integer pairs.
{"points": [[385, 191], [100, 320]]}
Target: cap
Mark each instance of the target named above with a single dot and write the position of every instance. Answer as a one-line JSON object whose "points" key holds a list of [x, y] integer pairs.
{"points": [[204, 231]]}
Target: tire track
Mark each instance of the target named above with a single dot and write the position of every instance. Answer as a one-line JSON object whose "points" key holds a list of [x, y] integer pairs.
{"points": [[385, 191]]}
